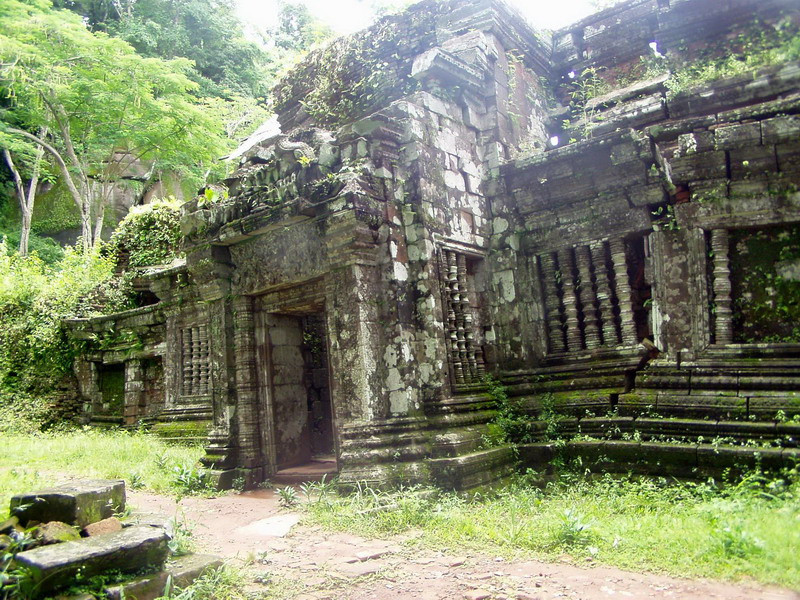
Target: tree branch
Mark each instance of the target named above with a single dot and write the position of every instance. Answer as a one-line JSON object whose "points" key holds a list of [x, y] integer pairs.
{"points": [[73, 190], [17, 178]]}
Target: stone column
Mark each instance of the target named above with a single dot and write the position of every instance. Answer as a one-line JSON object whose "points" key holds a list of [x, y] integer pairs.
{"points": [[604, 293], [547, 268], [723, 322], [566, 263], [624, 292], [587, 297]]}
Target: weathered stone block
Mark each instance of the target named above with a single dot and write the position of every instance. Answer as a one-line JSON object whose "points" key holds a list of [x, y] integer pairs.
{"points": [[183, 570], [78, 503], [781, 129], [737, 136], [56, 532], [110, 525], [127, 551]]}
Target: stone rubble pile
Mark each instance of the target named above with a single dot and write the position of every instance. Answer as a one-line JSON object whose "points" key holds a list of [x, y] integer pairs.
{"points": [[63, 537]]}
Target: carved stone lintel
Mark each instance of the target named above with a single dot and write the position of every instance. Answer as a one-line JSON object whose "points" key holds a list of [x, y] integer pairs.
{"points": [[723, 322]]}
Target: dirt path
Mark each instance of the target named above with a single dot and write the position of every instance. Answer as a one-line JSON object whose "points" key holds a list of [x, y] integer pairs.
{"points": [[317, 565]]}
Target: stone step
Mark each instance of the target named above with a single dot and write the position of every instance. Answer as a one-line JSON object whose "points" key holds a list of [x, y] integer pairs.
{"points": [[80, 503], [127, 551], [183, 571], [653, 458], [314, 470]]}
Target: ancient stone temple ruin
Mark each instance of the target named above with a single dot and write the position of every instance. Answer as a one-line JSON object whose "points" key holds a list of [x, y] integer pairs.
{"points": [[454, 194]]}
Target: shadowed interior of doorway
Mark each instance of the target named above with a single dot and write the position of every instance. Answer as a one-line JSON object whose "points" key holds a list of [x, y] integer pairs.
{"points": [[302, 411]]}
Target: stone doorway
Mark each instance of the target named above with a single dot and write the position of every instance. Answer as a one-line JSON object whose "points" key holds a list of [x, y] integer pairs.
{"points": [[294, 381]]}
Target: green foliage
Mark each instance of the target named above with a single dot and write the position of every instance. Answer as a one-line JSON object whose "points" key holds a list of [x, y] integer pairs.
{"points": [[34, 298], [107, 109], [761, 45], [149, 235], [584, 88], [767, 301], [297, 29], [189, 479], [348, 76], [287, 497], [181, 543], [207, 32], [574, 529], [742, 529], [511, 424], [224, 583]]}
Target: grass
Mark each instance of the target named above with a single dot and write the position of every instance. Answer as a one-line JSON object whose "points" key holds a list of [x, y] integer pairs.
{"points": [[749, 530], [30, 461]]}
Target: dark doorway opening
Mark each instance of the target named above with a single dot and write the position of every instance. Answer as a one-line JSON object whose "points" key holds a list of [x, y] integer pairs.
{"points": [[300, 397]]}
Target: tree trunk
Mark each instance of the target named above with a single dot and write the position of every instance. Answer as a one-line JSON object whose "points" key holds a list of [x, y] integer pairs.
{"points": [[26, 200], [82, 200]]}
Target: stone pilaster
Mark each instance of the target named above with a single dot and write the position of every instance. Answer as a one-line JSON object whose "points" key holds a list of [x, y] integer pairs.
{"points": [[134, 392], [248, 418]]}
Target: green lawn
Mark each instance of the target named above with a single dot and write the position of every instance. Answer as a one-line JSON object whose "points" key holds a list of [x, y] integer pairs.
{"points": [[30, 461], [750, 530]]}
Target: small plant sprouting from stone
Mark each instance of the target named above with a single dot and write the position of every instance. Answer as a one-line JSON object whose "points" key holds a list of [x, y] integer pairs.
{"points": [[287, 497]]}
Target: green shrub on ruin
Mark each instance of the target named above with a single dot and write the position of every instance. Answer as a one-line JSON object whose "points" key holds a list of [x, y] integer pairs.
{"points": [[149, 235], [34, 299]]}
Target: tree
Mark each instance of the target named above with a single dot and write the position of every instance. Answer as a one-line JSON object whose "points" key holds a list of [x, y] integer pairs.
{"points": [[106, 109], [208, 32], [297, 29], [26, 195]]}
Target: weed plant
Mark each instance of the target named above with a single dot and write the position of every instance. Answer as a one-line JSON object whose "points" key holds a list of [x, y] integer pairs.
{"points": [[747, 529]]}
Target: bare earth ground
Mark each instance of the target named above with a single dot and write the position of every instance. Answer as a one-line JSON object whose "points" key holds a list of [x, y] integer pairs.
{"points": [[252, 528]]}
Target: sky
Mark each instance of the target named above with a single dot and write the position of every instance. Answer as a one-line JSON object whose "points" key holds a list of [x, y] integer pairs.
{"points": [[347, 16]]}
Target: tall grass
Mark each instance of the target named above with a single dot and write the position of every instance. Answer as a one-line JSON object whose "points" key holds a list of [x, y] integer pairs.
{"points": [[29, 461], [731, 532]]}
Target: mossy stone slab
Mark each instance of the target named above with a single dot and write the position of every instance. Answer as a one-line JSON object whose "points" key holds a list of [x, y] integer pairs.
{"points": [[127, 551], [79, 503]]}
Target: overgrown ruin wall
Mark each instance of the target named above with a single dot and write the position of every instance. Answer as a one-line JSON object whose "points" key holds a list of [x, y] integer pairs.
{"points": [[456, 195]]}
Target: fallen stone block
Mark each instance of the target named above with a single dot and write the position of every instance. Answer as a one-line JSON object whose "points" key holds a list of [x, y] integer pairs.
{"points": [[79, 503], [9, 525], [56, 532], [183, 570], [127, 551], [109, 525]]}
